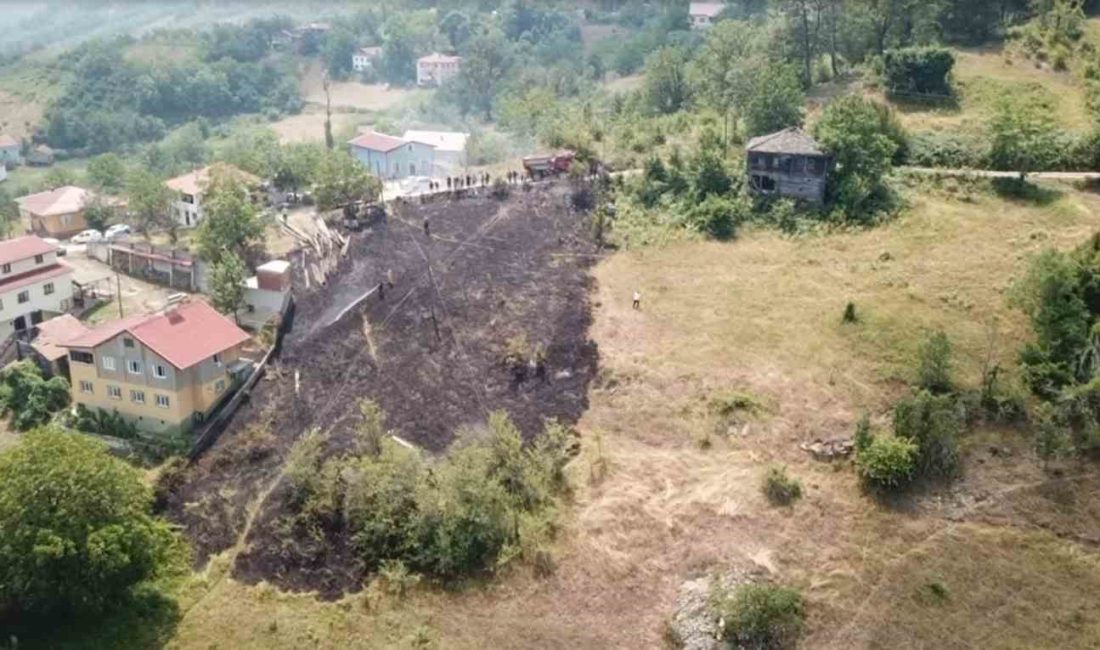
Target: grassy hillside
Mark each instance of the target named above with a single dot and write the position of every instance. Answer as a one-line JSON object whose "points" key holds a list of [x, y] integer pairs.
{"points": [[665, 489]]}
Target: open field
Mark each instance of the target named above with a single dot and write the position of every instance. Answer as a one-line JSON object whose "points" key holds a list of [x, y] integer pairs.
{"points": [[1002, 558], [309, 125], [983, 77], [351, 95]]}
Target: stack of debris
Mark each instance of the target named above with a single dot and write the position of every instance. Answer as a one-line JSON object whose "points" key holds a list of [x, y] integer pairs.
{"points": [[322, 249], [830, 449]]}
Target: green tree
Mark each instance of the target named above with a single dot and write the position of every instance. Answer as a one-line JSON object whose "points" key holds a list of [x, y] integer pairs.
{"points": [[666, 86], [1023, 137], [149, 200], [107, 172], [760, 615], [99, 213], [9, 213], [398, 51], [775, 101], [339, 47], [715, 82], [887, 462], [456, 25], [30, 398], [227, 283], [76, 526], [340, 179], [933, 423], [934, 364], [486, 62], [851, 130], [231, 222]]}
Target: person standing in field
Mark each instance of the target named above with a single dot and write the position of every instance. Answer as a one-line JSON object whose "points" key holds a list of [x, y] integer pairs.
{"points": [[637, 300]]}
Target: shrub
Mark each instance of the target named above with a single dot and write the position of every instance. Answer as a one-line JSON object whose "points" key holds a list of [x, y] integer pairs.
{"points": [[887, 463], [760, 616], [500, 189], [934, 364], [170, 479], [29, 397], [918, 70], [933, 423], [849, 314], [76, 526], [101, 422], [780, 488], [863, 437], [718, 217]]}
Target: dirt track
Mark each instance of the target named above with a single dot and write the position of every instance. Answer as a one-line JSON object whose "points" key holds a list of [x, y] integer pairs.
{"points": [[429, 353]]}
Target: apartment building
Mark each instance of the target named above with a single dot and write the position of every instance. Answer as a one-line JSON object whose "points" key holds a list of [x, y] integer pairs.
{"points": [[165, 372], [34, 284]]}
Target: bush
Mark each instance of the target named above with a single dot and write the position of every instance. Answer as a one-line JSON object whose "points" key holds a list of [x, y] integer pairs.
{"points": [[76, 526], [948, 150], [760, 616], [887, 463], [29, 397], [933, 423], [780, 488], [103, 423], [918, 71], [863, 438], [500, 189], [934, 364], [718, 217]]}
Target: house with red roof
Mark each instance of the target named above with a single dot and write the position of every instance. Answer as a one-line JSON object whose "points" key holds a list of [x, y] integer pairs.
{"points": [[436, 68], [164, 372], [56, 213], [34, 284], [389, 157]]}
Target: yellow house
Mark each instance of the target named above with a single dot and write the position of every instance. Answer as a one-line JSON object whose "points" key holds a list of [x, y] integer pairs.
{"points": [[164, 372], [56, 213]]}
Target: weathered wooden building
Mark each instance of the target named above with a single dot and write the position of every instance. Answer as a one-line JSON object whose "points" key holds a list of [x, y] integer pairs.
{"points": [[788, 163]]}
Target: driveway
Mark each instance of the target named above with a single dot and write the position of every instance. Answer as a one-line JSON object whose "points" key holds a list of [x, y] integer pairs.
{"points": [[138, 296]]}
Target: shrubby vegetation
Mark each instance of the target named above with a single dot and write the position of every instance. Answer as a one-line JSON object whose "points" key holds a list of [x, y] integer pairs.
{"points": [[780, 488], [760, 615], [489, 500], [77, 529], [29, 397]]}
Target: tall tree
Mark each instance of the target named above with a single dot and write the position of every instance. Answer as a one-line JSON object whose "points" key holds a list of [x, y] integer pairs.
{"points": [[775, 101], [340, 179], [149, 200], [231, 223], [227, 283], [486, 62], [666, 85]]}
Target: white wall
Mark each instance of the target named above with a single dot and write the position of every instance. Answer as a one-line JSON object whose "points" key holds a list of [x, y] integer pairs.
{"points": [[182, 209], [55, 303]]}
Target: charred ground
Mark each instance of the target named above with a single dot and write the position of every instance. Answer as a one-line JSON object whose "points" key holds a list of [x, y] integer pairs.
{"points": [[429, 353]]}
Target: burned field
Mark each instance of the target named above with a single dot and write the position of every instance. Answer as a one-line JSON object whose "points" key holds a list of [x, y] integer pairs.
{"points": [[421, 320]]}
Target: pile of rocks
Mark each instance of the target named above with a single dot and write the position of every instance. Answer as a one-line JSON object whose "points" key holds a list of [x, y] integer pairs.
{"points": [[830, 449], [694, 625]]}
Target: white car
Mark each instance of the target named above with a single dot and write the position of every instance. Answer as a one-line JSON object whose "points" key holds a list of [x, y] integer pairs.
{"points": [[87, 236], [116, 231]]}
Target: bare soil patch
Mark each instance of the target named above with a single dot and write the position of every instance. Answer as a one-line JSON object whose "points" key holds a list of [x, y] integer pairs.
{"points": [[429, 354]]}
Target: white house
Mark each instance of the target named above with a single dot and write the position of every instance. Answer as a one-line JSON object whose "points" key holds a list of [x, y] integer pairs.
{"points": [[266, 294], [703, 14], [34, 284], [436, 68], [450, 149], [187, 207], [391, 158], [364, 58]]}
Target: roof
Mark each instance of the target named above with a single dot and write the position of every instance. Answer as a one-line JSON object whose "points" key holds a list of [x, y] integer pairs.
{"points": [[370, 51], [183, 336], [377, 142], [708, 9], [55, 331], [7, 141], [197, 181], [436, 57], [63, 200], [274, 266], [20, 248], [793, 140], [34, 277], [441, 140]]}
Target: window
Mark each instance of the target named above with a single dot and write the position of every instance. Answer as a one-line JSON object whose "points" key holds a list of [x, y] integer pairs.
{"points": [[38, 259], [137, 396], [108, 363], [219, 386], [6, 268], [159, 371], [86, 387], [114, 392], [162, 401], [218, 359], [24, 296], [66, 220], [81, 357], [134, 367], [47, 288], [129, 343]]}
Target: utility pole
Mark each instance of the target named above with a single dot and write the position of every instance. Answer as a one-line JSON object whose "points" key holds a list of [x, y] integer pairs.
{"points": [[118, 293]]}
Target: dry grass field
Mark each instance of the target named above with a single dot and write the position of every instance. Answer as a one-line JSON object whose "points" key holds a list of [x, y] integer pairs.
{"points": [[664, 491]]}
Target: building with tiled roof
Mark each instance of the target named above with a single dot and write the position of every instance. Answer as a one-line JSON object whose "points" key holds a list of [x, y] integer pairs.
{"points": [[704, 14], [34, 284], [190, 187], [56, 213], [164, 372], [788, 163], [436, 68], [389, 157], [365, 57]]}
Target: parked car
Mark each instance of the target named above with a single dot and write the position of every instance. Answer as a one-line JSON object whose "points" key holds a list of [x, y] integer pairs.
{"points": [[87, 236], [116, 231], [56, 244]]}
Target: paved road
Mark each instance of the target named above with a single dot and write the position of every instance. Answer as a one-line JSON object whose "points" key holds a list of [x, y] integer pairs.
{"points": [[986, 173]]}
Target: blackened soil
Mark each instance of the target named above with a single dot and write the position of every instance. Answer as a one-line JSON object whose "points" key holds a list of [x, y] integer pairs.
{"points": [[429, 352]]}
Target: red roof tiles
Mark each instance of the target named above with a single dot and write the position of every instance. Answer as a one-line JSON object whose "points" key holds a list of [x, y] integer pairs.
{"points": [[20, 248], [377, 142], [183, 336], [33, 277]]}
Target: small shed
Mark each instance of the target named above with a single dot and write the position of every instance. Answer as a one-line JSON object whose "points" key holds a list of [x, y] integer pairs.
{"points": [[788, 163], [40, 156], [48, 353]]}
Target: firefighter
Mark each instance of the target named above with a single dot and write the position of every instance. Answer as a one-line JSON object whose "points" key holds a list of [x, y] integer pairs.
{"points": [[637, 300], [427, 228], [381, 291]]}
